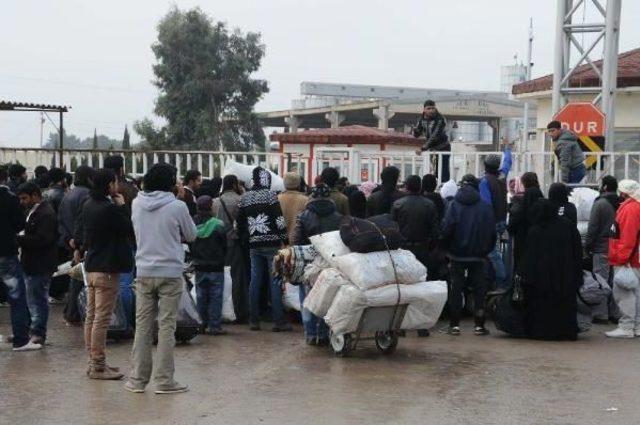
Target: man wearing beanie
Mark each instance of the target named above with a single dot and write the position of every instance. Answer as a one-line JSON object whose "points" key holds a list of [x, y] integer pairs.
{"points": [[262, 226], [623, 253], [292, 202]]}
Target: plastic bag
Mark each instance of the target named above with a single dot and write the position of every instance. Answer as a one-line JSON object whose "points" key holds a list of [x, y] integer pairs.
{"points": [[346, 309], [583, 198], [626, 278], [374, 269], [329, 245], [245, 174], [319, 299], [594, 290], [188, 316], [291, 297], [228, 312]]}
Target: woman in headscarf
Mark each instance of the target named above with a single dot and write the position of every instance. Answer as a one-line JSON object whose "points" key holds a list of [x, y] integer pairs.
{"points": [[527, 193], [559, 197], [552, 275]]}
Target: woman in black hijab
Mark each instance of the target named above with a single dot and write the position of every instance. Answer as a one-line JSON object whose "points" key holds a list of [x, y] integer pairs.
{"points": [[552, 275], [520, 215], [559, 197]]}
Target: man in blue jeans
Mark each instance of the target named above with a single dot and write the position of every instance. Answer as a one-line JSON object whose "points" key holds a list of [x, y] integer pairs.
{"points": [[261, 223], [208, 253], [12, 222], [39, 255]]}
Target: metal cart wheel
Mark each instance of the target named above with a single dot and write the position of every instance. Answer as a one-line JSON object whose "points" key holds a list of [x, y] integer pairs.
{"points": [[386, 342], [341, 344]]}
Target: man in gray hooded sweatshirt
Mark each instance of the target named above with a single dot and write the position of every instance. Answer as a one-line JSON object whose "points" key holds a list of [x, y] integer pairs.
{"points": [[161, 224], [570, 156]]}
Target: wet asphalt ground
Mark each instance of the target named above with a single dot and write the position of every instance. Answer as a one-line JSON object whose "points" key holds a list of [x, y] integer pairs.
{"points": [[268, 378]]}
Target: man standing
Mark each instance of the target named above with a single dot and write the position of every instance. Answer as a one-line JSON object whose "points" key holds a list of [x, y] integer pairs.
{"points": [[192, 182], [12, 222], [17, 176], [330, 176], [54, 195], [386, 194], [493, 191], [601, 221], [161, 224], [57, 187], [261, 223], [468, 235], [292, 202], [39, 256], [128, 190], [107, 230], [434, 128], [623, 252], [570, 156]]}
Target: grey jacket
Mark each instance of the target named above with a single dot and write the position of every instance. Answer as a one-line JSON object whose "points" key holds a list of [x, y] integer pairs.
{"points": [[231, 200], [569, 153], [601, 221], [69, 211]]}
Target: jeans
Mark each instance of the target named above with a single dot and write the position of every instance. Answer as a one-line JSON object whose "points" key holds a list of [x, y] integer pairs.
{"points": [[11, 275], [576, 174], [102, 294], [155, 296], [38, 302], [261, 272], [475, 279], [496, 259], [314, 326], [209, 287]]}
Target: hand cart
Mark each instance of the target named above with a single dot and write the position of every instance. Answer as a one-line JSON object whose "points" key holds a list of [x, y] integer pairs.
{"points": [[380, 324]]}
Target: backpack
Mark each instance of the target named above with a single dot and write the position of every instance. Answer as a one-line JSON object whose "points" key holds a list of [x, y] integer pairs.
{"points": [[377, 233]]}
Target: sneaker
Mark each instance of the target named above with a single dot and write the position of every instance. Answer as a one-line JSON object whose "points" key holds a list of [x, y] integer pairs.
{"points": [[282, 328], [175, 389], [133, 388], [29, 346], [454, 330], [481, 331], [619, 333], [111, 368], [105, 374], [53, 300], [37, 340], [254, 326]]}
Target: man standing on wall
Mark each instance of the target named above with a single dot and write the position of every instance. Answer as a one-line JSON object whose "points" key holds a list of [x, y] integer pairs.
{"points": [[434, 128]]}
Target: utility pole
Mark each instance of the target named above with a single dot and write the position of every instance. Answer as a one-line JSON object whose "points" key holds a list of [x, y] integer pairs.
{"points": [[41, 128], [607, 30], [525, 126]]}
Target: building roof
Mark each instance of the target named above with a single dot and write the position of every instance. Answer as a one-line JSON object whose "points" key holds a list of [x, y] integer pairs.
{"points": [[347, 135], [6, 105], [585, 76]]}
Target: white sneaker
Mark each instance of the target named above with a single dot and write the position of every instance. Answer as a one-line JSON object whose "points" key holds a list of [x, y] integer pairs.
{"points": [[619, 333], [29, 346]]}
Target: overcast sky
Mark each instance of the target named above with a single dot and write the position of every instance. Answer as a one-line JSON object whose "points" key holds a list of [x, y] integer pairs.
{"points": [[96, 56]]}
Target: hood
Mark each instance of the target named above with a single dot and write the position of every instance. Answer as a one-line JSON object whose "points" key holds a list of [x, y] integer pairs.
{"points": [[467, 195], [151, 201], [543, 211], [567, 137], [612, 198], [322, 206], [558, 193]]}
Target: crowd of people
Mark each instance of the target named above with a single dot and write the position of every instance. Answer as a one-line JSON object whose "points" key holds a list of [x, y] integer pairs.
{"points": [[480, 235]]}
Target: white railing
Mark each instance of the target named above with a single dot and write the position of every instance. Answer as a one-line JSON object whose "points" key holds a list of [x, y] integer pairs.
{"points": [[356, 165]]}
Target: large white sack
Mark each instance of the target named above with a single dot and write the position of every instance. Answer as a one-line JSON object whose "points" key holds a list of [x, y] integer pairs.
{"points": [[228, 312], [245, 174], [345, 311], [313, 270], [374, 269], [426, 301], [329, 245], [583, 198], [319, 299], [291, 297]]}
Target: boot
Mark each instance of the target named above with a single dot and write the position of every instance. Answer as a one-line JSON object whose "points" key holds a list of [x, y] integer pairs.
{"points": [[104, 373]]}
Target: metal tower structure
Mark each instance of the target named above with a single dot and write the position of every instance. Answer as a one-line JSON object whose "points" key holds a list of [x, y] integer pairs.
{"points": [[606, 30]]}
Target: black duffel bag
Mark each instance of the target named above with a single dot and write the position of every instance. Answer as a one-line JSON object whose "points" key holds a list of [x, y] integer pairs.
{"points": [[377, 233]]}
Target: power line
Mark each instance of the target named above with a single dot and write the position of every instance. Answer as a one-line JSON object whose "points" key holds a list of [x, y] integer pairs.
{"points": [[76, 84]]}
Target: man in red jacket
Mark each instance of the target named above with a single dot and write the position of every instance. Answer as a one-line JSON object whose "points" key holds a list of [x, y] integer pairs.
{"points": [[623, 251]]}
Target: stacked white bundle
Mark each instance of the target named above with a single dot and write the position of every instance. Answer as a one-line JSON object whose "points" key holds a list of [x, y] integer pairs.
{"points": [[357, 281], [583, 198]]}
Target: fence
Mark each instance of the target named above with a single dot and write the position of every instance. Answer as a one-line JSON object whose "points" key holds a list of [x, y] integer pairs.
{"points": [[356, 165]]}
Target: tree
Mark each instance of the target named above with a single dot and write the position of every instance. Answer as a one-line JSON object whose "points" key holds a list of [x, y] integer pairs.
{"points": [[94, 145], [207, 93], [126, 144]]}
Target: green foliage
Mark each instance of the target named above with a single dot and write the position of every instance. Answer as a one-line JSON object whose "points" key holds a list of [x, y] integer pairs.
{"points": [[74, 142], [126, 143], [94, 145], [207, 93]]}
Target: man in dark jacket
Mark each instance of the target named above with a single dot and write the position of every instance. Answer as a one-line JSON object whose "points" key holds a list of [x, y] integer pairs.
{"points": [[208, 253], [39, 255], [429, 185], [68, 213], [383, 197], [17, 176], [54, 195], [191, 183], [330, 177], [418, 220], [319, 216], [468, 234], [569, 153], [125, 187], [57, 187], [41, 177], [107, 230], [12, 222], [434, 127], [261, 223], [601, 223]]}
